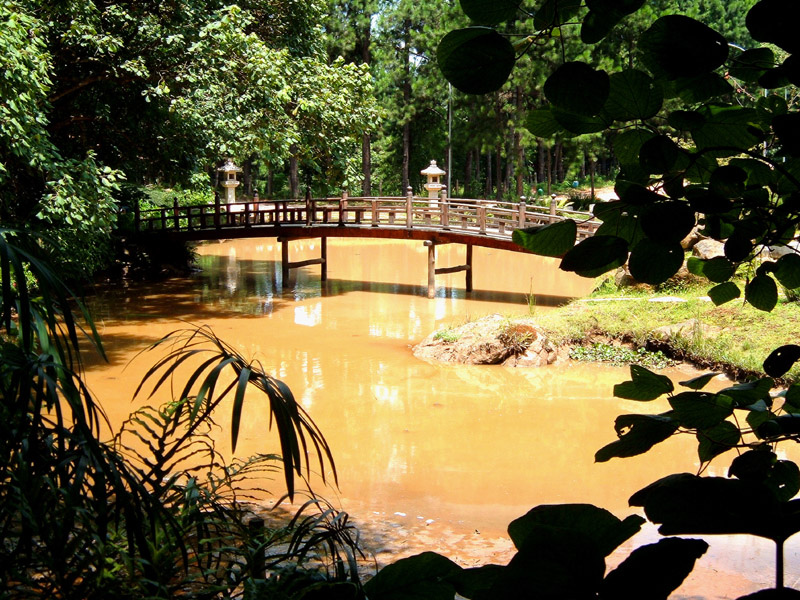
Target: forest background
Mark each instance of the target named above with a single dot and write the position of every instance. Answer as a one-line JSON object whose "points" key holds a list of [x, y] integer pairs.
{"points": [[108, 103]]}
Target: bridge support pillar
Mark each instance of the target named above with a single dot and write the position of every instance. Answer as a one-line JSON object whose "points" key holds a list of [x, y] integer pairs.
{"points": [[286, 264], [433, 271]]}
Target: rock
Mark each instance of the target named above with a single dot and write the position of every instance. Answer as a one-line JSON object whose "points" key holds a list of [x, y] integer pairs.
{"points": [[489, 341], [708, 248], [690, 241]]}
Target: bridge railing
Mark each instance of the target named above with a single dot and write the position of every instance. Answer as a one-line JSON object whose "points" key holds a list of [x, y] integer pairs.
{"points": [[468, 215]]}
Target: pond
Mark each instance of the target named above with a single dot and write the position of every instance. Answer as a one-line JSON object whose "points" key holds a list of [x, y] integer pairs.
{"points": [[429, 456]]}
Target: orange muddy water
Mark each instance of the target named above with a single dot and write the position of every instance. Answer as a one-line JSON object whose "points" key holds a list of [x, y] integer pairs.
{"points": [[429, 456]]}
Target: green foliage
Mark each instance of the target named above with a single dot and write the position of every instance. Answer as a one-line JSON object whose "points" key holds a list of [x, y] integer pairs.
{"points": [[447, 335], [620, 355], [156, 512]]}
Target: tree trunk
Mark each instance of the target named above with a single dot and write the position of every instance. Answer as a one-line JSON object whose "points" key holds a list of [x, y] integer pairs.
{"points": [[294, 181], [498, 161], [519, 153], [366, 164], [488, 189], [541, 175], [407, 102], [558, 170], [270, 181], [467, 174]]}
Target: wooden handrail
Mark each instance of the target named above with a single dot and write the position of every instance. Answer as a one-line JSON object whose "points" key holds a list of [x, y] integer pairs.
{"points": [[478, 217]]}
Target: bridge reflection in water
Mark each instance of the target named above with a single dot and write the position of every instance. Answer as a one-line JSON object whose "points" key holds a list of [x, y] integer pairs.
{"points": [[434, 221]]}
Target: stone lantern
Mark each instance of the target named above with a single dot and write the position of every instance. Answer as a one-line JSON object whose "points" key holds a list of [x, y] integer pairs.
{"points": [[433, 173], [229, 181]]}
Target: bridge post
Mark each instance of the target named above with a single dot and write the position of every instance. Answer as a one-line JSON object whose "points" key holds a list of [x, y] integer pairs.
{"points": [[374, 212], [175, 217], [217, 210], [469, 268], [521, 220], [324, 256], [431, 270], [553, 205], [409, 207], [247, 214], [482, 218], [445, 207], [308, 208], [343, 208]]}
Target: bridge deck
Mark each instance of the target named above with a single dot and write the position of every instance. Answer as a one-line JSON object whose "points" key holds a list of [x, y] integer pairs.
{"points": [[435, 221], [447, 220]]}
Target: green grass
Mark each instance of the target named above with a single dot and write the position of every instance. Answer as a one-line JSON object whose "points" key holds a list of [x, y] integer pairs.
{"points": [[447, 335], [734, 335]]}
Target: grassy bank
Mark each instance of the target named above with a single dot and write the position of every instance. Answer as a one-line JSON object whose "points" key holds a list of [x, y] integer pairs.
{"points": [[733, 337]]}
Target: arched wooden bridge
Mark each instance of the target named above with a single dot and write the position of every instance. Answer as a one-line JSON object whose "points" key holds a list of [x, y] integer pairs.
{"points": [[434, 221]]}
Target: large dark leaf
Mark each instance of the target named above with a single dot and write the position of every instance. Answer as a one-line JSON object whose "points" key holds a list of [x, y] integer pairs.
{"points": [[655, 262], [476, 60], [542, 123], [724, 292], [717, 440], [699, 382], [668, 221], [644, 385], [728, 181], [749, 392], [490, 12], [559, 557], [628, 144], [604, 529], [653, 571], [637, 434], [787, 129], [728, 130], [688, 504], [781, 360], [678, 46], [787, 271], [660, 155], [421, 577], [738, 246], [762, 292], [701, 410], [603, 15], [576, 87], [598, 253], [751, 64], [555, 239], [775, 22], [633, 95], [717, 269], [553, 13]]}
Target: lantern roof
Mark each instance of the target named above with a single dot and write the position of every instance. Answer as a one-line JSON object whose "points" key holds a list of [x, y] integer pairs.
{"points": [[432, 169], [229, 167]]}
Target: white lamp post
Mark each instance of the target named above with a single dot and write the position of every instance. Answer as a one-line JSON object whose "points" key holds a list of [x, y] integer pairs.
{"points": [[229, 181]]}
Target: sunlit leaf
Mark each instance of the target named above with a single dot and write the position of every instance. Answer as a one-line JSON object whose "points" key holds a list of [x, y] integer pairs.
{"points": [[717, 440], [554, 239], [701, 410], [787, 271], [762, 292], [724, 292], [597, 252]]}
